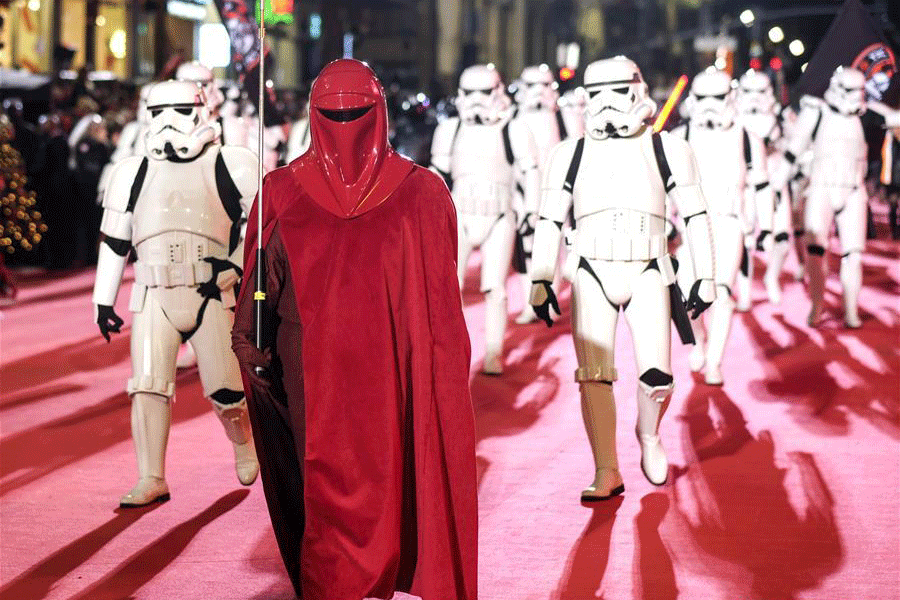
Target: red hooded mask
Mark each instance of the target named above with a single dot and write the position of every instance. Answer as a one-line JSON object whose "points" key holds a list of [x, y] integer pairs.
{"points": [[350, 167]]}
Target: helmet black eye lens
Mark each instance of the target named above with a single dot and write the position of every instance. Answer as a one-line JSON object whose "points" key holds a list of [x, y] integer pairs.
{"points": [[594, 93], [621, 90], [344, 116], [155, 112], [185, 110]]}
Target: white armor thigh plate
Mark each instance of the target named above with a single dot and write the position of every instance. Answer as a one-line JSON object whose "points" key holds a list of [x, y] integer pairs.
{"points": [[729, 246], [478, 227], [481, 196], [621, 234], [619, 173], [175, 258], [181, 197]]}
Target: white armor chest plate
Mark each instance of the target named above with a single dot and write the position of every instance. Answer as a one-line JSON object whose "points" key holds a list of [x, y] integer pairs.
{"points": [[762, 125], [544, 129], [722, 166], [619, 201], [181, 197], [482, 177], [839, 151]]}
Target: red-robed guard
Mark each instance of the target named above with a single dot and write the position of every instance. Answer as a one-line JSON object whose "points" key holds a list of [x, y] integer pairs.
{"points": [[363, 419]]}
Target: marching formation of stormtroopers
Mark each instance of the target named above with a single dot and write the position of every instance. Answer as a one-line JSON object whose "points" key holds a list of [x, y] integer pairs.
{"points": [[583, 173], [482, 154], [730, 160]]}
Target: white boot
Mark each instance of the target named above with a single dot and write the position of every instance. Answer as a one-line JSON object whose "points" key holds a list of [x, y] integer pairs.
{"points": [[494, 331], [772, 277], [598, 409], [236, 422], [851, 281], [652, 403], [719, 328], [151, 416], [527, 315]]}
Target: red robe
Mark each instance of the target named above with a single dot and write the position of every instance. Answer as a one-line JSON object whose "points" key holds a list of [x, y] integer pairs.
{"points": [[387, 452]]}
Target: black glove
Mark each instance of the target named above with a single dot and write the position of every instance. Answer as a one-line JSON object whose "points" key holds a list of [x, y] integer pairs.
{"points": [[695, 302], [543, 310], [108, 321], [526, 226], [210, 288], [761, 239]]}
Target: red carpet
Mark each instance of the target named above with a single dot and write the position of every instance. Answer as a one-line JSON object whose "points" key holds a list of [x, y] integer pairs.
{"points": [[784, 486]]}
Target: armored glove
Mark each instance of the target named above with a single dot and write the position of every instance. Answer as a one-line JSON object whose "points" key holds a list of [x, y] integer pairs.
{"points": [[702, 295], [224, 275], [108, 321], [542, 298]]}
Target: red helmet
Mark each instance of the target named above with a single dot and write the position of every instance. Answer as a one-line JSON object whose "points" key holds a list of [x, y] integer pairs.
{"points": [[350, 167]]}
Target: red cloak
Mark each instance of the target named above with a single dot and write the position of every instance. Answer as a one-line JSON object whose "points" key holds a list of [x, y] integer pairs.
{"points": [[388, 451]]}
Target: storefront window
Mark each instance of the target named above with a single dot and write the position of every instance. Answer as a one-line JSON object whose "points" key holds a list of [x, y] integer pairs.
{"points": [[27, 35]]}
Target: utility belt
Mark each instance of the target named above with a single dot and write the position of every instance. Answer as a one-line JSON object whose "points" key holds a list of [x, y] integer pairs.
{"points": [[480, 197], [175, 258], [172, 275], [619, 247]]}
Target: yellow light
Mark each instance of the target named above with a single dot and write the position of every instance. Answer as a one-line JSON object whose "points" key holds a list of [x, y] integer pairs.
{"points": [[117, 43], [101, 21], [34, 5], [797, 48], [670, 103], [747, 17], [776, 35]]}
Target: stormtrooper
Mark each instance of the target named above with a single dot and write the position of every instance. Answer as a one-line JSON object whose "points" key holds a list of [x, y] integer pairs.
{"points": [[832, 129], [180, 210], [481, 154], [730, 159], [537, 100], [618, 176], [235, 129], [759, 113]]}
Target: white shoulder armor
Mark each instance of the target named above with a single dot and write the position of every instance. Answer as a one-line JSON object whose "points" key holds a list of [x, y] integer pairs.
{"points": [[443, 135], [243, 166], [121, 180], [523, 146], [811, 102], [681, 160]]}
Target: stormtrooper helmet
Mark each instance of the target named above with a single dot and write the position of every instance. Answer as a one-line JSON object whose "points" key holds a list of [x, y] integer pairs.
{"points": [[846, 91], [180, 126], [202, 76], [619, 102], [233, 100], [755, 93], [537, 90], [711, 101], [481, 99]]}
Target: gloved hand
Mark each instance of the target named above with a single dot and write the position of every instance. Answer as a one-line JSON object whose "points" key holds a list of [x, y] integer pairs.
{"points": [[108, 321], [224, 275], [526, 224], [764, 241], [255, 363], [542, 298], [702, 295]]}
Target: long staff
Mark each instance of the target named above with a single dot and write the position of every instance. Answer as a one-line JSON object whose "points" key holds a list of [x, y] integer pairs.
{"points": [[259, 295]]}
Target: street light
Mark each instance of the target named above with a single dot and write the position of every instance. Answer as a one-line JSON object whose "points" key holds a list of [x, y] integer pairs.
{"points": [[797, 48], [747, 17], [776, 35]]}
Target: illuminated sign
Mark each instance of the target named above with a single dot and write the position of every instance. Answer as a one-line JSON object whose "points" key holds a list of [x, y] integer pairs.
{"points": [[279, 11]]}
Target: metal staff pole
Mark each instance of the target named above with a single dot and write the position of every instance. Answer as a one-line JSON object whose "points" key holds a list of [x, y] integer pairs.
{"points": [[259, 295]]}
